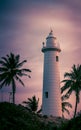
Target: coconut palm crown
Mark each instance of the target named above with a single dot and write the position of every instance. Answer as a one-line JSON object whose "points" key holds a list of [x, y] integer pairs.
{"points": [[11, 71], [32, 104], [72, 83]]}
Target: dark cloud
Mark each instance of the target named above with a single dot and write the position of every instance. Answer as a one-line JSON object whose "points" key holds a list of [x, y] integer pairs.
{"points": [[16, 6], [12, 5]]}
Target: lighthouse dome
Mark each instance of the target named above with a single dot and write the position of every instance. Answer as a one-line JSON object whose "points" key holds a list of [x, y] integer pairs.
{"points": [[51, 41], [50, 35]]}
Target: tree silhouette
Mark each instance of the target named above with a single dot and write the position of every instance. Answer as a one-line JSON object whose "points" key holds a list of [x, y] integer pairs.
{"points": [[65, 104], [72, 83], [32, 104], [11, 71]]}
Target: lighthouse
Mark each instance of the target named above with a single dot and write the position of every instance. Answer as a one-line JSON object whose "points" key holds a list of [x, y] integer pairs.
{"points": [[51, 97]]}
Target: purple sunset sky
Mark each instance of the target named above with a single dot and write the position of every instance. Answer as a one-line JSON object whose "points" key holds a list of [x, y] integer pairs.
{"points": [[25, 24]]}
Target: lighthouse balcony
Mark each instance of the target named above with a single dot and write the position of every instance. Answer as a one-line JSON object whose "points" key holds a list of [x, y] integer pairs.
{"points": [[44, 49]]}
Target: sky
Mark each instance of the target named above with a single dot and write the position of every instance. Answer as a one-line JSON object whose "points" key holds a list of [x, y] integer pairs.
{"points": [[25, 24]]}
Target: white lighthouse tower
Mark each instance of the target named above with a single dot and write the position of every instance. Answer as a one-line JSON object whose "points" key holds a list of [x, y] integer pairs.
{"points": [[51, 104]]}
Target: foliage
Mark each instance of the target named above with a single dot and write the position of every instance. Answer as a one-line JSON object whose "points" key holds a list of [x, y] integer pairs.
{"points": [[17, 117], [72, 83], [14, 117], [65, 104], [11, 71], [73, 124], [32, 104]]}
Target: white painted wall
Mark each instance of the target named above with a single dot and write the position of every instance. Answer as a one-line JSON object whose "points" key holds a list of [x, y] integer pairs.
{"points": [[51, 80]]}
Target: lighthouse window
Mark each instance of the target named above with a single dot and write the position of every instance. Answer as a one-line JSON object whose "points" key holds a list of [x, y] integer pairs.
{"points": [[57, 59], [46, 94]]}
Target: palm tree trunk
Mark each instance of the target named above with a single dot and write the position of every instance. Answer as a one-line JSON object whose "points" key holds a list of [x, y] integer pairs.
{"points": [[75, 107], [13, 90], [13, 99]]}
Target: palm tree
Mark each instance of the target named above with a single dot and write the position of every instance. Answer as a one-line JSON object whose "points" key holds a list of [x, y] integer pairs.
{"points": [[11, 71], [32, 104], [65, 104], [72, 83]]}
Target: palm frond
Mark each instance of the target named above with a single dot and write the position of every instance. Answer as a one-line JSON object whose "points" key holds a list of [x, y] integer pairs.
{"points": [[25, 102], [69, 92], [2, 84], [18, 79], [21, 63], [3, 69], [67, 85], [17, 59], [22, 72], [67, 75], [25, 70], [4, 63], [64, 97], [67, 104], [65, 109]]}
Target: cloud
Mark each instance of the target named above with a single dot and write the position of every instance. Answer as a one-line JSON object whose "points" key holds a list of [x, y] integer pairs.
{"points": [[25, 25]]}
